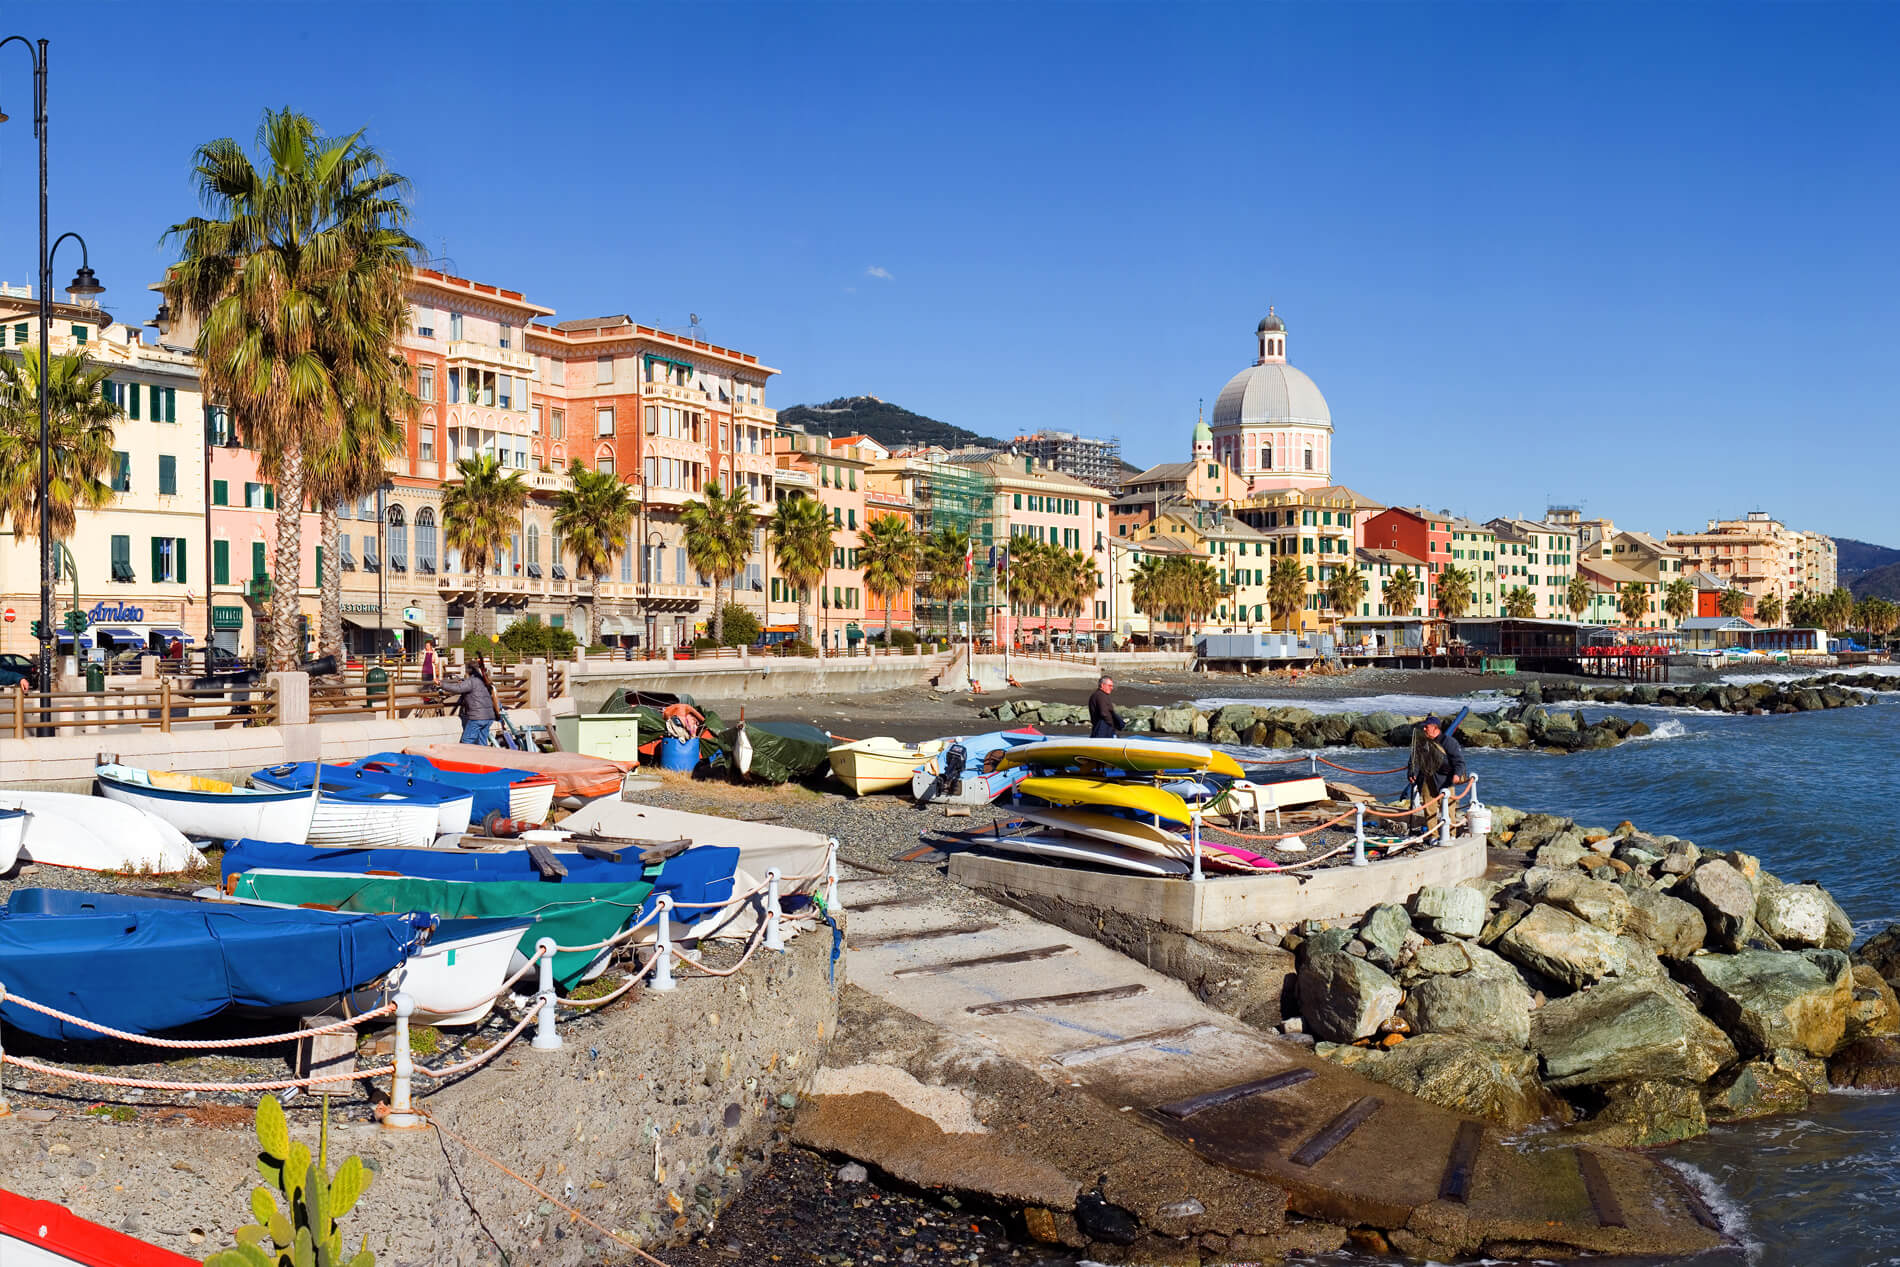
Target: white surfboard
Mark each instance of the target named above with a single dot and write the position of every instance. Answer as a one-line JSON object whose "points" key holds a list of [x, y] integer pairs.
{"points": [[1073, 849], [1127, 832]]}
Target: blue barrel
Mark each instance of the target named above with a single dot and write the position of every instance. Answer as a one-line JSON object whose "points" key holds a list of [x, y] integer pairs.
{"points": [[678, 754]]}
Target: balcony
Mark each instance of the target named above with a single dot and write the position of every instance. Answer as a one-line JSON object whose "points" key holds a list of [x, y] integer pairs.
{"points": [[792, 477], [756, 413], [671, 391], [549, 481], [490, 356]]}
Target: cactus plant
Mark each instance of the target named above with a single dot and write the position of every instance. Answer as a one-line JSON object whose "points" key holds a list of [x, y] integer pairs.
{"points": [[302, 1232]]}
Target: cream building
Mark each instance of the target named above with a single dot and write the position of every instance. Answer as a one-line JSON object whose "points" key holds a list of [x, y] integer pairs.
{"points": [[141, 560], [1761, 556], [1538, 556]]}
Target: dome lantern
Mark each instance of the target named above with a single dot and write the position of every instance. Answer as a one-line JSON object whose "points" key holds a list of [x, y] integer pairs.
{"points": [[1272, 335]]}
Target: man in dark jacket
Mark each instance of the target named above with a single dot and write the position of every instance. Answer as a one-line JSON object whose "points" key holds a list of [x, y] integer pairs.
{"points": [[1438, 762], [1104, 721]]}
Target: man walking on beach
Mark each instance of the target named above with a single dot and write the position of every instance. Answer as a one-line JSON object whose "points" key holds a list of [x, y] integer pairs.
{"points": [[1104, 721], [1437, 762]]}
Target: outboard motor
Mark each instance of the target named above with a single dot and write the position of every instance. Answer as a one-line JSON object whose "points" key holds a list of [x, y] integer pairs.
{"points": [[949, 776], [323, 666]]}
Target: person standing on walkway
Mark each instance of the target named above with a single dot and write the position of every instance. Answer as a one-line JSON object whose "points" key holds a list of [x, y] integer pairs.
{"points": [[428, 666], [477, 705], [1104, 721], [1437, 764]]}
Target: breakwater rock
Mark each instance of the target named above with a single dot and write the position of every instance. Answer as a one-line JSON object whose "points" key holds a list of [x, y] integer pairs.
{"points": [[1805, 696], [1629, 985]]}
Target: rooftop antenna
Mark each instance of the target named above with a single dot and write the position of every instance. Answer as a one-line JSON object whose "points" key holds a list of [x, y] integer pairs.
{"points": [[693, 327]]}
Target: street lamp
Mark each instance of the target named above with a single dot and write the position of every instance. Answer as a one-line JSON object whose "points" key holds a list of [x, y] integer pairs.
{"points": [[84, 285], [648, 565]]}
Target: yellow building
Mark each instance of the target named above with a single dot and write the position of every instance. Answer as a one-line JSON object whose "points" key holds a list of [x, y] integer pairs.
{"points": [[1323, 527], [1238, 555], [140, 561]]}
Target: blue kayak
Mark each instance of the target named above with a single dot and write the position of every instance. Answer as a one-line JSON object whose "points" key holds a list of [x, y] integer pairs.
{"points": [[700, 874], [146, 965], [509, 792]]}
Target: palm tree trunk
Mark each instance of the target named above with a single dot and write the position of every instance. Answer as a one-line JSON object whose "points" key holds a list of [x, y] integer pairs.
{"points": [[804, 613], [591, 634], [330, 588], [474, 621], [286, 642], [719, 617]]}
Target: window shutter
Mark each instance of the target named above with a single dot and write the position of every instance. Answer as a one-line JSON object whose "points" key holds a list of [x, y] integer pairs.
{"points": [[220, 493], [319, 580], [132, 400], [158, 560], [171, 404], [180, 573], [221, 562], [258, 567], [270, 497]]}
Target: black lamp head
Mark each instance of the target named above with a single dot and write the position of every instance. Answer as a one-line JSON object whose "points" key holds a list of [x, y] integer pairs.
{"points": [[84, 284]]}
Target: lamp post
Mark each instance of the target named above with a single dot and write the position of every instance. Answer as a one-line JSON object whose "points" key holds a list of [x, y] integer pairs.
{"points": [[649, 564], [84, 285]]}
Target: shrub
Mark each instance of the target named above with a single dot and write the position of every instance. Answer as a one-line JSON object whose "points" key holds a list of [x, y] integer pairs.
{"points": [[304, 1229], [529, 638], [703, 643], [903, 638], [742, 627]]}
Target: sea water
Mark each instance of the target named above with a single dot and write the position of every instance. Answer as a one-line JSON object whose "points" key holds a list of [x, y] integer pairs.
{"points": [[1814, 796]]}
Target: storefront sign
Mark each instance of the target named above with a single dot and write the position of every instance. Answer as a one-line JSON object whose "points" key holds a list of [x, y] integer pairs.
{"points": [[115, 614], [361, 609], [413, 615], [227, 618]]}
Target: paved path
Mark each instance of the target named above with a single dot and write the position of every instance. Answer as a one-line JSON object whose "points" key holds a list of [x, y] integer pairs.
{"points": [[1344, 1149]]}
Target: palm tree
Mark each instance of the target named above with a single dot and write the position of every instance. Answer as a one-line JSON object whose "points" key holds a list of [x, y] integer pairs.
{"points": [[478, 516], [1520, 604], [79, 421], [1454, 592], [1078, 580], [1145, 587], [593, 516], [1400, 591], [943, 554], [349, 469], [295, 281], [1679, 599], [1838, 609], [1577, 595], [1732, 603], [801, 541], [1286, 588], [1633, 601], [888, 552], [1346, 589], [1769, 609], [718, 527]]}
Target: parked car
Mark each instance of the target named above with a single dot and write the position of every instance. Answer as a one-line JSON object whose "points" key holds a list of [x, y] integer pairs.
{"points": [[16, 668]]}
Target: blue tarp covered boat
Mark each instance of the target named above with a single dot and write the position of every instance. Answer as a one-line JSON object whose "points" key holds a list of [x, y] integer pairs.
{"points": [[512, 793], [153, 964], [698, 875], [346, 788]]}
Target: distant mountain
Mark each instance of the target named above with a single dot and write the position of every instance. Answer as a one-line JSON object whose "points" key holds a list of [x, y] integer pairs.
{"points": [[1858, 557], [1883, 582], [892, 426]]}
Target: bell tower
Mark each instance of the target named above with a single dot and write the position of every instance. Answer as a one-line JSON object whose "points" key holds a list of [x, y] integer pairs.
{"points": [[1272, 336]]}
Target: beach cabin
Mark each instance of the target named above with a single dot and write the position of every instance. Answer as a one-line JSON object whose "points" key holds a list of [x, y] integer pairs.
{"points": [[1713, 633], [1539, 646]]}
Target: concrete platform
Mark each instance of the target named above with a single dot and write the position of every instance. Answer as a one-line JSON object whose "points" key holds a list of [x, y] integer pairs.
{"points": [[1231, 901]]}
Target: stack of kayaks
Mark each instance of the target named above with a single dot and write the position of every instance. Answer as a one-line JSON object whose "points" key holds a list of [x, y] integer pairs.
{"points": [[1119, 803], [360, 807]]}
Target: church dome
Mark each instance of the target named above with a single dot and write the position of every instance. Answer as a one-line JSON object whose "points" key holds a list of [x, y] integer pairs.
{"points": [[1202, 433], [1270, 322], [1271, 393]]}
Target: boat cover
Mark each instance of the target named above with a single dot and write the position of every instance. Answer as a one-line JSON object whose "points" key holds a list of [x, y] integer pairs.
{"points": [[782, 751], [490, 787], [700, 874], [573, 773], [572, 914], [351, 784], [151, 964]]}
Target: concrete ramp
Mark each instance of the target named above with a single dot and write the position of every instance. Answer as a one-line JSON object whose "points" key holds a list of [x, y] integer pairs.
{"points": [[1153, 1059]]}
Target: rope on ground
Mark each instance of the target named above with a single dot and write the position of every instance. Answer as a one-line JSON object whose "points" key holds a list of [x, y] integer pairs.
{"points": [[541, 1192]]}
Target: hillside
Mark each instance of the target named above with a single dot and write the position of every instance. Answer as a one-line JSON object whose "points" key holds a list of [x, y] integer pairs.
{"points": [[1882, 582], [1858, 558], [892, 426]]}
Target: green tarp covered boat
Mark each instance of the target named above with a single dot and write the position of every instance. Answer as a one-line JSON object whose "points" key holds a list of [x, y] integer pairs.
{"points": [[782, 751], [572, 914]]}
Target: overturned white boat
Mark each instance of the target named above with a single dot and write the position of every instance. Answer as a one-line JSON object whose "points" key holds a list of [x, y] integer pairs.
{"points": [[91, 833]]}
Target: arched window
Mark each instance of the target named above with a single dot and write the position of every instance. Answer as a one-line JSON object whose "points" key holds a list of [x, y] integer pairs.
{"points": [[534, 543], [425, 540], [604, 460], [398, 539], [1266, 457]]}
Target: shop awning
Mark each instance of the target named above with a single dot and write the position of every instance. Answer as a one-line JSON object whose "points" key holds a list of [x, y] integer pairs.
{"points": [[168, 634], [363, 622], [118, 633]]}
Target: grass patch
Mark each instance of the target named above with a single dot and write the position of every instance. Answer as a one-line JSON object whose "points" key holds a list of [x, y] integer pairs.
{"points": [[113, 1112], [425, 1040], [599, 987]]}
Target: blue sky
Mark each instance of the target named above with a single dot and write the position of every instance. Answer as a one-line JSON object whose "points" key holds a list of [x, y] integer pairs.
{"points": [[1641, 258]]}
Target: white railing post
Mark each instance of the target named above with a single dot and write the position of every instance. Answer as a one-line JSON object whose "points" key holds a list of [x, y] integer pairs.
{"points": [[1444, 818], [400, 1116], [545, 1038], [774, 935], [1194, 842], [663, 947], [1312, 763], [831, 873], [1359, 834]]}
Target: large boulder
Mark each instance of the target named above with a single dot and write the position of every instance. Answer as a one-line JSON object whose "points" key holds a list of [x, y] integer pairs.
{"points": [[1449, 910], [1175, 721], [1726, 900], [1671, 927], [1556, 944], [1235, 717], [1647, 1114], [1870, 1064], [1876, 1013], [1384, 931], [1760, 1088], [1596, 902], [1627, 1030], [1343, 998], [1840, 929], [1767, 999], [1795, 915], [1882, 953], [1483, 1079], [1382, 723], [1487, 1007]]}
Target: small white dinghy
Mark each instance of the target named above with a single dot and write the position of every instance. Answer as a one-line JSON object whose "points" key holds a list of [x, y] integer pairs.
{"points": [[211, 809], [91, 833]]}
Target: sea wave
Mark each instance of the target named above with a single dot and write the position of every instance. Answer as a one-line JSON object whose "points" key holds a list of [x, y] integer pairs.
{"points": [[1403, 704], [1671, 729], [1727, 1211]]}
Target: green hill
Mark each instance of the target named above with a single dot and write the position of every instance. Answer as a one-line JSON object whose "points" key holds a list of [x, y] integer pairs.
{"points": [[892, 426], [1857, 558], [1883, 582]]}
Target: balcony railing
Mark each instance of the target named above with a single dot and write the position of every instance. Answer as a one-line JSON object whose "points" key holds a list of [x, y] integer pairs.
{"points": [[488, 354], [757, 413]]}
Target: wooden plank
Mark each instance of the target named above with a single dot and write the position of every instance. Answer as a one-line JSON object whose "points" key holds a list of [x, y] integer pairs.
{"points": [[1182, 1109], [928, 934], [1136, 1042], [914, 899], [982, 961], [1455, 1185], [1336, 1132], [1609, 1210], [1041, 1001], [546, 865]]}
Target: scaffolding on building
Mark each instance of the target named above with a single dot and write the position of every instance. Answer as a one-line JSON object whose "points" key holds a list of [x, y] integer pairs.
{"points": [[960, 498], [1091, 459]]}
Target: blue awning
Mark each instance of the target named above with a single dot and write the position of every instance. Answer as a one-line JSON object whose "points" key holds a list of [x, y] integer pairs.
{"points": [[116, 633], [66, 638], [168, 634]]}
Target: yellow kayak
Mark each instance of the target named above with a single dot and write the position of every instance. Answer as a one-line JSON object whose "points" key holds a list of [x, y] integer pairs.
{"points": [[1138, 756], [1111, 793]]}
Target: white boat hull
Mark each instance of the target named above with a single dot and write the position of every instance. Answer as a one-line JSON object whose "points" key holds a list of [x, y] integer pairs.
{"points": [[91, 833], [12, 835], [530, 802], [220, 816], [452, 980], [373, 821], [1072, 849], [865, 770]]}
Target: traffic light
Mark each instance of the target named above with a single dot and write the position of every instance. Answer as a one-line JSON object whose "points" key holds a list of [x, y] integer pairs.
{"points": [[36, 631], [76, 622]]}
